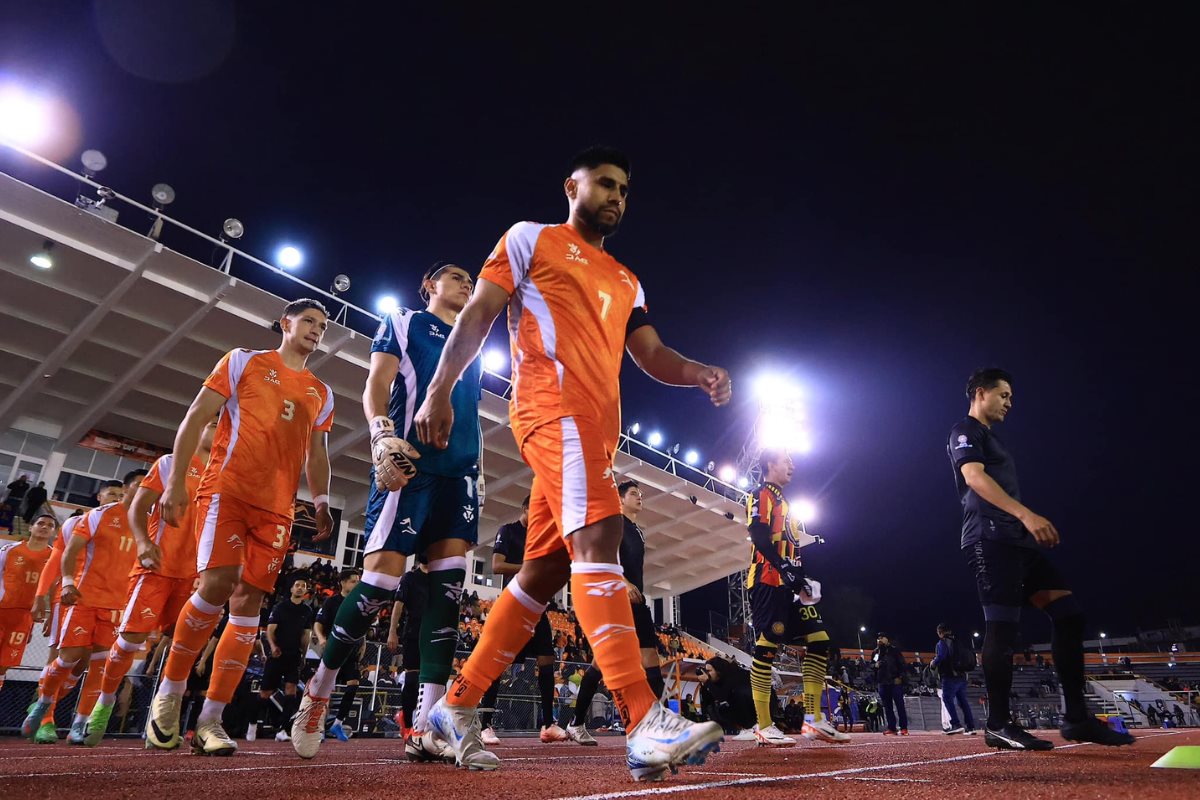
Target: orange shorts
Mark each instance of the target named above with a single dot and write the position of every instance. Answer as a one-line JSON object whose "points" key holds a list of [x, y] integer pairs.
{"points": [[154, 602], [232, 533], [573, 482], [84, 626], [16, 624]]}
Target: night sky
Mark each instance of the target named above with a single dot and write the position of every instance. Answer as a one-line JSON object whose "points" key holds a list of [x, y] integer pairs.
{"points": [[874, 203]]}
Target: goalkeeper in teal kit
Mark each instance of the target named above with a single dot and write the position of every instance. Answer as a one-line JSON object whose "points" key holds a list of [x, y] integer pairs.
{"points": [[423, 500]]}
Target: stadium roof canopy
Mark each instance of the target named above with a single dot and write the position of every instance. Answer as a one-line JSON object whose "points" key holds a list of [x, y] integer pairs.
{"points": [[119, 334]]}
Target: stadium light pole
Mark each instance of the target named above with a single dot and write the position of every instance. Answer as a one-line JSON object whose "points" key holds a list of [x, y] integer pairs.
{"points": [[861, 630], [1103, 657], [974, 639]]}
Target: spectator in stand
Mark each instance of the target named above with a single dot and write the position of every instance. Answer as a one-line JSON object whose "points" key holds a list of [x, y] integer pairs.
{"points": [[17, 490], [888, 663], [35, 499], [953, 662]]}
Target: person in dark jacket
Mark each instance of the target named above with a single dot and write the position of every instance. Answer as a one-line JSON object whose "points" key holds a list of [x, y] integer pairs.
{"points": [[889, 667], [35, 498], [954, 680], [728, 686]]}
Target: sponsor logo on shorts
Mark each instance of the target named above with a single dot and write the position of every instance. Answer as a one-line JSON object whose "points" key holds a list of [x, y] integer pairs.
{"points": [[234, 541], [469, 512], [147, 613], [78, 631], [407, 528]]}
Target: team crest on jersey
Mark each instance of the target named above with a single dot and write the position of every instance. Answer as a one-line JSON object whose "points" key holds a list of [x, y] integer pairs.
{"points": [[962, 442], [193, 472], [435, 331], [469, 512], [115, 522], [272, 377], [575, 254]]}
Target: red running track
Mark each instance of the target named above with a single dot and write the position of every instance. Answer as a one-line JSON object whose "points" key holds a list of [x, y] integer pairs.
{"points": [[919, 766]]}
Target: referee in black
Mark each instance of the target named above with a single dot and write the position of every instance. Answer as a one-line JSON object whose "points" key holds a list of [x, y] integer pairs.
{"points": [[349, 675], [288, 630], [404, 631], [1004, 542]]}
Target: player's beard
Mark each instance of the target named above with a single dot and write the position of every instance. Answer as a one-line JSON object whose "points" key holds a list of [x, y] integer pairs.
{"points": [[599, 224]]}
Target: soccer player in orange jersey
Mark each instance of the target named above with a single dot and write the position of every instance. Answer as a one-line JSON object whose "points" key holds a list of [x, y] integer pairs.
{"points": [[275, 419], [573, 310], [161, 579], [95, 566], [20, 568]]}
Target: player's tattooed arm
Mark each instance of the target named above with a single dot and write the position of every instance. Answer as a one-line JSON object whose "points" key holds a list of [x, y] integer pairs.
{"points": [[667, 366], [436, 417], [316, 469], [175, 497], [985, 486]]}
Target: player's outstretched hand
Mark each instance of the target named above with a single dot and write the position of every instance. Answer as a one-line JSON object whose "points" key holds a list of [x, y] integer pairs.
{"points": [[716, 384], [1042, 529], [173, 504], [434, 420], [324, 522]]}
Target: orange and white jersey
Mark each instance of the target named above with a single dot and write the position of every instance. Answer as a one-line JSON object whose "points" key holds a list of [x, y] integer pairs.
{"points": [[567, 316], [263, 436], [20, 571], [178, 545], [53, 569], [102, 568]]}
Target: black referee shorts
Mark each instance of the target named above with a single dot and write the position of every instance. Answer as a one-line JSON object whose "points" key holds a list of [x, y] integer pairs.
{"points": [[542, 643], [643, 623], [410, 654], [781, 619], [281, 671], [1007, 576]]}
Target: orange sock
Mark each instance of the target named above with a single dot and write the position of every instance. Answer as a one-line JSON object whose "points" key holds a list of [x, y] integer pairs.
{"points": [[55, 676], [117, 665], [63, 691], [508, 628], [232, 654], [193, 629], [91, 684], [602, 605]]}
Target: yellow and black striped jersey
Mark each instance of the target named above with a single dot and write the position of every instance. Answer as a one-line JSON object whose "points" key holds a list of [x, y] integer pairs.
{"points": [[768, 506]]}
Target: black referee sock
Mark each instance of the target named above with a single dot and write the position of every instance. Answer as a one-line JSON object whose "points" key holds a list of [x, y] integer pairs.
{"points": [[999, 641], [546, 689], [347, 702], [657, 684], [408, 696], [588, 685], [1067, 649], [487, 706]]}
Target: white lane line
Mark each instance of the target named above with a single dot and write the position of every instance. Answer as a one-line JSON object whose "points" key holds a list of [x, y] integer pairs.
{"points": [[885, 780], [697, 787], [259, 768]]}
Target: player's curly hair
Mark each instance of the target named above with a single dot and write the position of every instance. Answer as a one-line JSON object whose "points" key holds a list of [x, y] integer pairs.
{"points": [[596, 155], [986, 378]]}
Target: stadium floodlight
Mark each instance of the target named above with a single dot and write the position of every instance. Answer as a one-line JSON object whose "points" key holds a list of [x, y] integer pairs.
{"points": [[743, 482], [975, 635], [691, 457], [387, 304], [341, 283], [163, 195], [289, 257], [233, 228], [728, 473], [805, 510], [93, 161], [494, 360], [863, 629], [1103, 635], [654, 439], [25, 118], [42, 258], [635, 429]]}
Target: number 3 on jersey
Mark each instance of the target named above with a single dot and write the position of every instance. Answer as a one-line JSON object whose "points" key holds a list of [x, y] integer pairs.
{"points": [[289, 411]]}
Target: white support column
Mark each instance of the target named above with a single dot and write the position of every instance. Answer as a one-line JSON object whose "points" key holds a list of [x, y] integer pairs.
{"points": [[53, 468], [339, 550]]}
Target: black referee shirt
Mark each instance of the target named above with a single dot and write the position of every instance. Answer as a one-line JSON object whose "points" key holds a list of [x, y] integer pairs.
{"points": [[292, 620], [510, 543], [972, 441], [632, 554]]}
